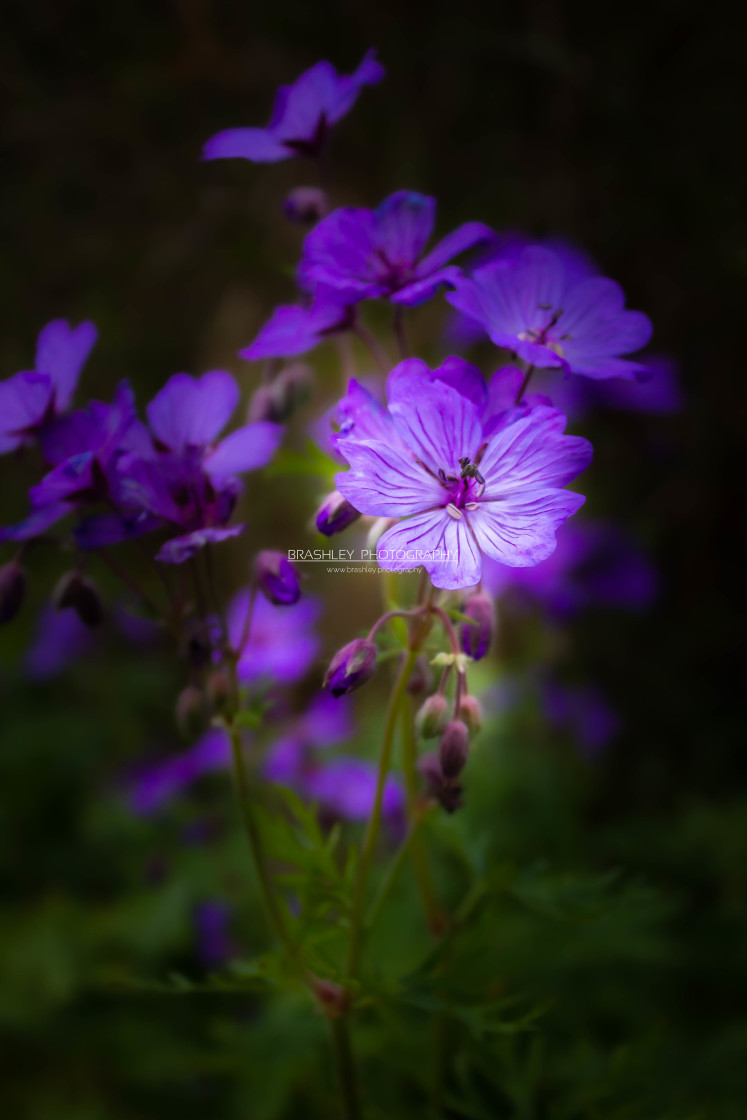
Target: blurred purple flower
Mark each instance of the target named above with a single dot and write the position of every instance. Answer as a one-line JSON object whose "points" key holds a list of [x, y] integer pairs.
{"points": [[297, 328], [215, 945], [156, 784], [583, 712], [534, 307], [30, 401], [467, 481], [358, 254], [595, 564], [59, 639], [301, 117], [282, 642]]}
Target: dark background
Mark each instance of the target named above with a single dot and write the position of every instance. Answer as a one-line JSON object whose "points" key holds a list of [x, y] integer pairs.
{"points": [[619, 127]]}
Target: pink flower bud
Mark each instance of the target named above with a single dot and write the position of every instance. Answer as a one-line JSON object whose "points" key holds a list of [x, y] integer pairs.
{"points": [[306, 205], [432, 716], [454, 748], [477, 635], [277, 579], [470, 710]]}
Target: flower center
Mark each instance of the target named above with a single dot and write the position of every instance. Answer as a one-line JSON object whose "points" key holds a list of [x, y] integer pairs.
{"points": [[462, 490], [545, 335]]}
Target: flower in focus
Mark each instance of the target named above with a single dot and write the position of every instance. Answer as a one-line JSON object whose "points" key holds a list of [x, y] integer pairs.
{"points": [[539, 309], [356, 254], [30, 401], [301, 117], [467, 482]]}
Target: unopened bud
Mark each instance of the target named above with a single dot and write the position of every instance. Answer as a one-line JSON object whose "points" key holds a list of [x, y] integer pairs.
{"points": [[190, 711], [351, 667], [432, 716], [12, 590], [306, 205], [279, 400], [453, 749], [447, 793], [332, 997], [277, 579], [335, 514], [76, 592], [470, 710], [421, 679], [478, 634]]}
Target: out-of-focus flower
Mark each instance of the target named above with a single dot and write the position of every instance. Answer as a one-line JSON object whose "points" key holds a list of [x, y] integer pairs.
{"points": [[584, 712], [215, 945], [351, 667], [59, 639], [342, 786], [30, 401], [277, 579], [595, 564], [282, 642], [534, 308], [465, 489], [159, 783], [356, 254], [306, 205], [301, 117], [660, 392], [477, 634]]}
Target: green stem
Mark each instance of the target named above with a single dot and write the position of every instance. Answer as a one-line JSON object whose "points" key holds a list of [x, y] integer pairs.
{"points": [[372, 832], [345, 1066], [391, 875], [418, 851], [524, 385]]}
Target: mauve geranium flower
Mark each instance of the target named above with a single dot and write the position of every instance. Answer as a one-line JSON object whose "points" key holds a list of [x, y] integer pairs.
{"points": [[301, 117], [534, 306], [356, 254], [29, 401], [282, 642], [467, 482]]}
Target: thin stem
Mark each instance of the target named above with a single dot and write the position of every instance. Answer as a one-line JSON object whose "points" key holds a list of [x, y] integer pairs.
{"points": [[275, 917], [372, 832], [389, 615], [212, 582], [448, 627], [130, 582], [345, 1066], [524, 385], [401, 332], [373, 344]]}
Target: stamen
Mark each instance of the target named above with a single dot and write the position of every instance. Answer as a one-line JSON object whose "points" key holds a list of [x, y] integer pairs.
{"points": [[472, 505], [452, 511]]}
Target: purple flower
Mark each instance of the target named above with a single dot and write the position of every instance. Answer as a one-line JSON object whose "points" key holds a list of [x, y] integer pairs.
{"points": [[29, 401], [59, 639], [186, 477], [584, 712], [214, 942], [595, 564], [296, 328], [467, 482], [540, 310], [159, 783], [367, 254], [301, 117], [277, 579], [282, 642]]}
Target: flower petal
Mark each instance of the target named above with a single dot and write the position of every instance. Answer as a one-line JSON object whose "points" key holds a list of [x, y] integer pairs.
{"points": [[404, 223], [61, 351], [437, 542], [337, 255], [180, 549], [440, 426], [421, 290], [384, 481], [36, 523], [295, 329], [461, 239], [361, 417], [519, 530], [256, 144], [191, 412], [533, 453], [246, 449], [24, 402]]}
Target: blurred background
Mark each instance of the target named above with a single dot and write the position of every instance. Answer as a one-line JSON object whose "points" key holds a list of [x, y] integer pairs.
{"points": [[616, 130]]}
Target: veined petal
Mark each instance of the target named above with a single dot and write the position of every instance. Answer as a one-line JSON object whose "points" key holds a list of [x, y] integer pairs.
{"points": [[256, 144], [191, 412], [436, 541], [246, 449], [421, 290], [384, 481], [533, 453], [519, 530], [439, 426], [361, 417], [337, 255], [463, 238]]}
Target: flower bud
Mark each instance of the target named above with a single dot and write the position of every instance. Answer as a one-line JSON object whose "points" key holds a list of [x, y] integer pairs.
{"points": [[447, 793], [277, 579], [454, 748], [335, 514], [351, 667], [421, 679], [190, 711], [306, 205], [477, 635], [432, 716], [12, 590], [279, 400], [470, 710], [80, 594]]}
